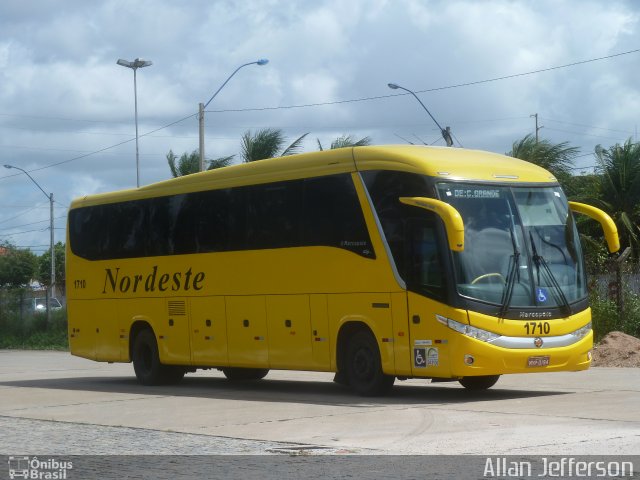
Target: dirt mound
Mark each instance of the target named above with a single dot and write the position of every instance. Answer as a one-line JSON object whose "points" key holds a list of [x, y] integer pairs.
{"points": [[617, 349]]}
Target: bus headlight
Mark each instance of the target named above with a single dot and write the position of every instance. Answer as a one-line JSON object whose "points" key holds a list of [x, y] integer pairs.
{"points": [[468, 330], [582, 332]]}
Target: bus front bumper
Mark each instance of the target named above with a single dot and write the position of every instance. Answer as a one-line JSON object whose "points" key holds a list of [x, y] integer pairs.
{"points": [[471, 357]]}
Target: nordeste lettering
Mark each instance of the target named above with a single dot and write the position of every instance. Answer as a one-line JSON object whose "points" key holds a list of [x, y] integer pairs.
{"points": [[154, 281]]}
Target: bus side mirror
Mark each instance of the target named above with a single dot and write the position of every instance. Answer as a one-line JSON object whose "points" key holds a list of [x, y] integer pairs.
{"points": [[449, 215], [608, 225]]}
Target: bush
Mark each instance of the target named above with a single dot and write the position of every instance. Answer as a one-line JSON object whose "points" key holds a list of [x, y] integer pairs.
{"points": [[607, 318], [28, 330]]}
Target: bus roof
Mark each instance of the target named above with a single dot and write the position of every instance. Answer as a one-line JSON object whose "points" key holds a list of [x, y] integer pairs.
{"points": [[440, 162]]}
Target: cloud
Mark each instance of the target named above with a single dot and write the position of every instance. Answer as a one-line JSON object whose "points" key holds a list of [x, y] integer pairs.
{"points": [[63, 94]]}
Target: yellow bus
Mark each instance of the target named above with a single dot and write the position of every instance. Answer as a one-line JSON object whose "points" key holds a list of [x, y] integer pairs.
{"points": [[376, 263]]}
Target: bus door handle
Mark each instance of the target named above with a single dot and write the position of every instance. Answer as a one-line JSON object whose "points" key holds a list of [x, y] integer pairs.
{"points": [[415, 319]]}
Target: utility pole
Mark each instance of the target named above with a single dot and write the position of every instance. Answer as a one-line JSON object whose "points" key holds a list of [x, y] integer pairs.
{"points": [[202, 106], [51, 291], [445, 132], [201, 134], [535, 115]]}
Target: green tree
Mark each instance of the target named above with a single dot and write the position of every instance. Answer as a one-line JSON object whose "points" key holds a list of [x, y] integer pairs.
{"points": [[189, 163], [267, 143], [618, 191], [17, 266], [346, 141], [555, 157], [44, 265]]}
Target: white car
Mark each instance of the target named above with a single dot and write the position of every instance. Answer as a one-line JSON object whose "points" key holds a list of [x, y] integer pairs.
{"points": [[40, 304]]}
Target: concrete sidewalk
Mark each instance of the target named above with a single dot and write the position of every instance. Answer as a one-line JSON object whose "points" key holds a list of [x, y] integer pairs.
{"points": [[45, 395]]}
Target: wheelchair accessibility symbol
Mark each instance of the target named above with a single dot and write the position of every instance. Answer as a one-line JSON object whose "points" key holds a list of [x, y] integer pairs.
{"points": [[541, 293], [419, 357], [425, 357]]}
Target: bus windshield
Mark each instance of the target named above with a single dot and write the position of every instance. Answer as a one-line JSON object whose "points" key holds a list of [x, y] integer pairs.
{"points": [[521, 246]]}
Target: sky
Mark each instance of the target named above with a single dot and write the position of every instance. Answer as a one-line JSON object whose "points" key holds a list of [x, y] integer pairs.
{"points": [[67, 108]]}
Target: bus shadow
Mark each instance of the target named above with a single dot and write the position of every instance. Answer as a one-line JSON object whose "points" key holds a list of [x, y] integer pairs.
{"points": [[285, 391]]}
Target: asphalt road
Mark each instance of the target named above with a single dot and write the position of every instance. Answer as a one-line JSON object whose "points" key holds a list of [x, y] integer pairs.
{"points": [[53, 403]]}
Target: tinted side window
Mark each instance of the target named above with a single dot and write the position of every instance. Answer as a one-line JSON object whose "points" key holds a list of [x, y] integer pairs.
{"points": [[410, 232], [200, 222], [385, 187], [321, 211], [273, 215], [333, 216]]}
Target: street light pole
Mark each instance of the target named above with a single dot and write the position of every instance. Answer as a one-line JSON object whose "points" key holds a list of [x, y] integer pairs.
{"points": [[135, 65], [52, 286], [202, 106], [446, 132]]}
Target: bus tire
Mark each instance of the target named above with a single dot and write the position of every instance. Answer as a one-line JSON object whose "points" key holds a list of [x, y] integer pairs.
{"points": [[146, 362], [172, 374], [364, 367], [483, 382], [234, 373]]}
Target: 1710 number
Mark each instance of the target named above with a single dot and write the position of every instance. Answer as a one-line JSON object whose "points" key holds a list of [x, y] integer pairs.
{"points": [[537, 328]]}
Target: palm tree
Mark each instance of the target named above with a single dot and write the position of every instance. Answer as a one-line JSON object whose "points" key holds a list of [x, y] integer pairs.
{"points": [[267, 143], [190, 163], [618, 191], [346, 141], [557, 158]]}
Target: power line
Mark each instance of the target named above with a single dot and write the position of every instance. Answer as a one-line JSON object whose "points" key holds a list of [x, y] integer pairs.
{"points": [[44, 117], [25, 231], [101, 150], [588, 126], [338, 102], [581, 133], [25, 206], [19, 215], [33, 223], [435, 89]]}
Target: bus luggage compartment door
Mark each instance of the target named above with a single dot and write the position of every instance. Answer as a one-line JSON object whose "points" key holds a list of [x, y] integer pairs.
{"points": [[247, 331], [289, 326], [208, 332]]}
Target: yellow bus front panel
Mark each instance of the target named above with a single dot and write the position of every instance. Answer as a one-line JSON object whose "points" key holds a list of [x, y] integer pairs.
{"points": [[491, 360]]}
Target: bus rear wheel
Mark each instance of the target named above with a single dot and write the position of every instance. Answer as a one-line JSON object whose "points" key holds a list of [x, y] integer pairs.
{"points": [[364, 367], [479, 383], [245, 373], [146, 362]]}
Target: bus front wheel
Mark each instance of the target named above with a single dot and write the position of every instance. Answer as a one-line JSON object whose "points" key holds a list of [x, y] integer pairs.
{"points": [[146, 362], [245, 373], [364, 367], [479, 383]]}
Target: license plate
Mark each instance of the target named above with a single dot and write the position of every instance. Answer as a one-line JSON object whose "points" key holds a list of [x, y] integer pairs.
{"points": [[542, 361]]}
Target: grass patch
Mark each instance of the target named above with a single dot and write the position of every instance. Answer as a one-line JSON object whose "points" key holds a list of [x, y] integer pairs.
{"points": [[31, 331], [606, 317]]}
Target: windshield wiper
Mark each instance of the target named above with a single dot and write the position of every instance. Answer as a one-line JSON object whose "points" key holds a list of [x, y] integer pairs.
{"points": [[540, 261], [514, 271]]}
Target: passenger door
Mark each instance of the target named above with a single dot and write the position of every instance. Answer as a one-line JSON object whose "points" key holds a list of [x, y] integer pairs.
{"points": [[426, 285]]}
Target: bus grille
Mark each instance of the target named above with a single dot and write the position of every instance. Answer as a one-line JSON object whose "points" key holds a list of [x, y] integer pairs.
{"points": [[177, 307]]}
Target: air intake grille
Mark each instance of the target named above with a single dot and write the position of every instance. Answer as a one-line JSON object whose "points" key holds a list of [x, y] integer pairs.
{"points": [[177, 307]]}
